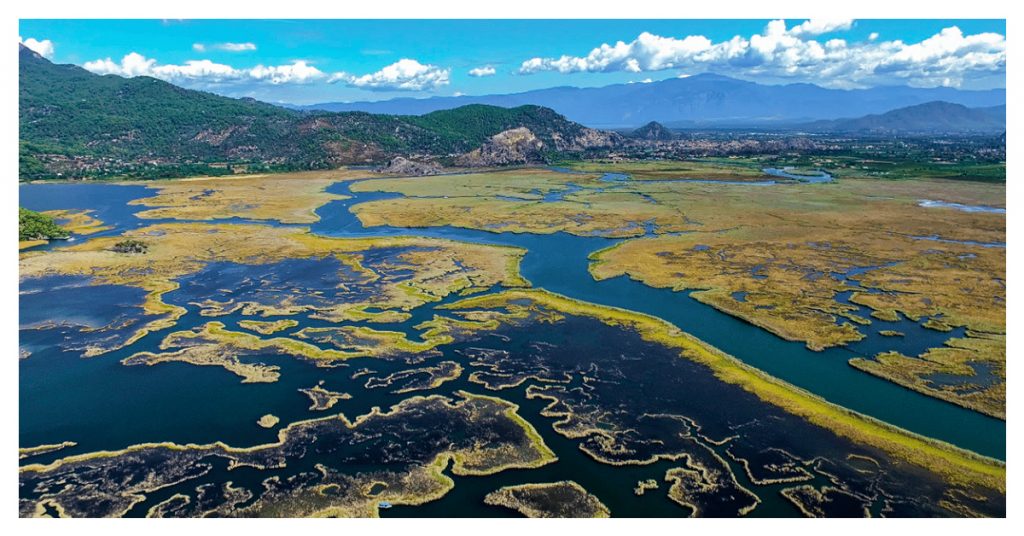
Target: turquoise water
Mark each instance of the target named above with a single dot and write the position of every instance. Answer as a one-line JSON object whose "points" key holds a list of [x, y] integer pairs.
{"points": [[558, 262], [184, 403]]}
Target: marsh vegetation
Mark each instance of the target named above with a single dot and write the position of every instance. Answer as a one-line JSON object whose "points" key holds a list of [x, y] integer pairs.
{"points": [[400, 325]]}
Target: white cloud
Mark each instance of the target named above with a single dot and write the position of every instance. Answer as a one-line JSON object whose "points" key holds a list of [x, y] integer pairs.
{"points": [[199, 47], [403, 75], [947, 58], [295, 72], [872, 36], [648, 52], [133, 64], [814, 27], [478, 72], [205, 71], [42, 47]]}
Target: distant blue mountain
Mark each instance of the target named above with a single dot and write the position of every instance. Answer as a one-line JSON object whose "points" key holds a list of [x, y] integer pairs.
{"points": [[928, 118], [700, 100]]}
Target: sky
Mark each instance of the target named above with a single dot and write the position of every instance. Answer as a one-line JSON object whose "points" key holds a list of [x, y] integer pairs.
{"points": [[313, 61]]}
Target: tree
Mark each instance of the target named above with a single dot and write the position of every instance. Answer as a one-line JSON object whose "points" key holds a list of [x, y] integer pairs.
{"points": [[35, 226]]}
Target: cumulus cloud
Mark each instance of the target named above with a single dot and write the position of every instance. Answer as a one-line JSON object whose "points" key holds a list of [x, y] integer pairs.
{"points": [[205, 71], [814, 27], [132, 64], [485, 70], [947, 58], [42, 47], [403, 75], [295, 72]]}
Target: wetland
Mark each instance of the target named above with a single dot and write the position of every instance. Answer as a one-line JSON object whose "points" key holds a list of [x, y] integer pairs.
{"points": [[536, 341]]}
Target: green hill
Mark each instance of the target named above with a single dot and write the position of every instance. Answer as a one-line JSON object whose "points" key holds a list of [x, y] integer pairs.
{"points": [[74, 123], [475, 123]]}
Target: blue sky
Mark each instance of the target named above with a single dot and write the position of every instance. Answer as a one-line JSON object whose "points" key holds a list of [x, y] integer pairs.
{"points": [[306, 61]]}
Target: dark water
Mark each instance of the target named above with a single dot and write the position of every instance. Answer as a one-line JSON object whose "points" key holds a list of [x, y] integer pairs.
{"points": [[983, 376], [75, 301], [188, 404], [109, 203], [185, 403], [271, 284], [558, 262]]}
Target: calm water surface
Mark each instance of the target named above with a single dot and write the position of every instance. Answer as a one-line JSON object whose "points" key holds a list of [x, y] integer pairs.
{"points": [[210, 405]]}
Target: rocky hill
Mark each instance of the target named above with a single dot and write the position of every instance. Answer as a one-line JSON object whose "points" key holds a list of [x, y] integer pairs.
{"points": [[401, 165], [516, 146], [74, 123], [653, 131]]}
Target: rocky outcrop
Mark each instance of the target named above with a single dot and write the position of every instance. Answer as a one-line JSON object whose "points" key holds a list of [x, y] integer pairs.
{"points": [[653, 131], [512, 147], [586, 139], [403, 166]]}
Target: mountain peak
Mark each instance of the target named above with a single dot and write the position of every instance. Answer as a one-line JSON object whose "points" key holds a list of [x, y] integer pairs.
{"points": [[711, 77], [653, 131], [25, 53]]}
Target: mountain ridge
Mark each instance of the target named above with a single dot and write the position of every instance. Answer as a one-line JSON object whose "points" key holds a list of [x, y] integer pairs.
{"points": [[930, 117], [76, 123], [699, 100]]}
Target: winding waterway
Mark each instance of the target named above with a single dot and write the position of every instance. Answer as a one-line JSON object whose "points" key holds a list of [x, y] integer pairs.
{"points": [[558, 262]]}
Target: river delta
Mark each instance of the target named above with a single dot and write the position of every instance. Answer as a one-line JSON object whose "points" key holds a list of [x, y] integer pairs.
{"points": [[601, 339]]}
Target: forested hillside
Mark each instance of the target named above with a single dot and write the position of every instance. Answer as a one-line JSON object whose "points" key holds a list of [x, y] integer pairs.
{"points": [[74, 123]]}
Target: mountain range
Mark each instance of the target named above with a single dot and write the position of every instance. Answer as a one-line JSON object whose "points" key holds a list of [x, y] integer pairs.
{"points": [[704, 100], [928, 118], [76, 123]]}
